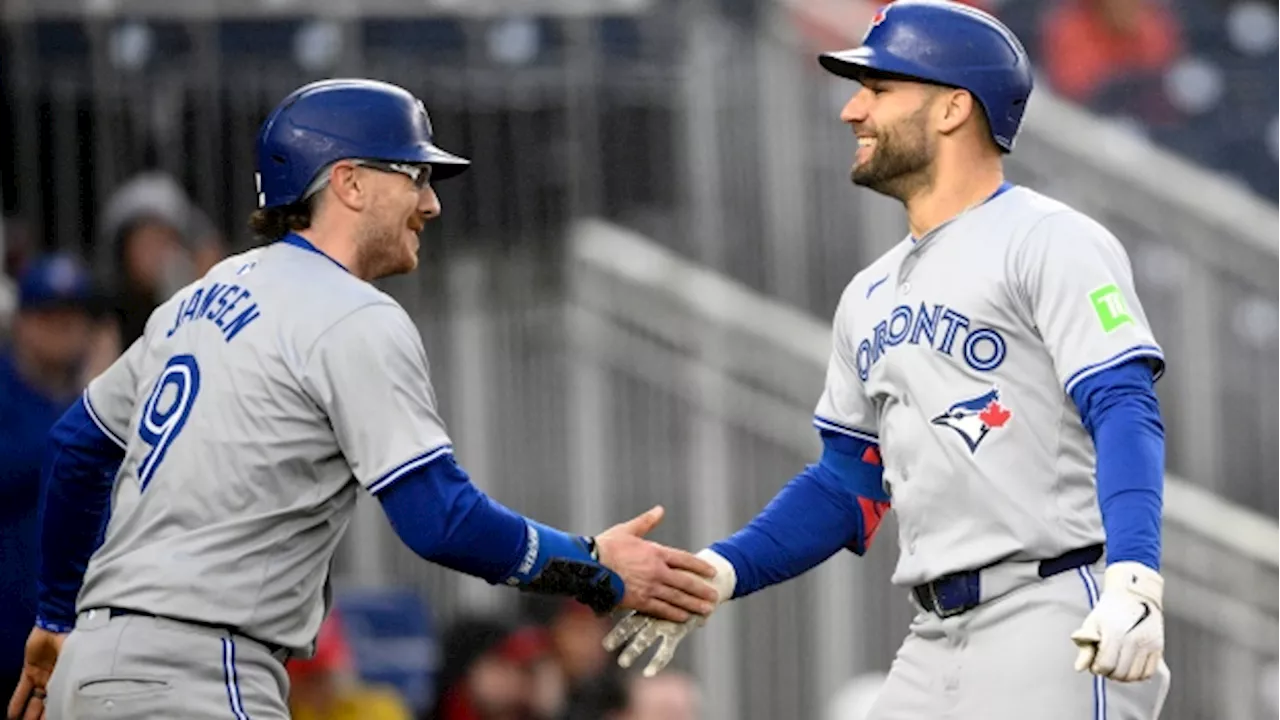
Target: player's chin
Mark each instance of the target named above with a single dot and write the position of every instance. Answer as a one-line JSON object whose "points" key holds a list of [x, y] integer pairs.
{"points": [[409, 256], [863, 175]]}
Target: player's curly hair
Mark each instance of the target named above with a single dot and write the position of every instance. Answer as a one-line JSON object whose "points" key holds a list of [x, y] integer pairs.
{"points": [[274, 223]]}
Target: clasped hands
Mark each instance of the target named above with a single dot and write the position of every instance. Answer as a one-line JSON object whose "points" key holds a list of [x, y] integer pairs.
{"points": [[643, 629], [1122, 638]]}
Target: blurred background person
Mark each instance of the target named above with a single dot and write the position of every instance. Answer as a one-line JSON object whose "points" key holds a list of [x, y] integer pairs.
{"points": [[488, 671], [153, 240], [328, 687], [670, 695], [16, 248], [1113, 55], [580, 680], [40, 376]]}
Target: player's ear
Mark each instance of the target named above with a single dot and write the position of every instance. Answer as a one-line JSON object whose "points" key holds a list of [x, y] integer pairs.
{"points": [[954, 106], [348, 185]]}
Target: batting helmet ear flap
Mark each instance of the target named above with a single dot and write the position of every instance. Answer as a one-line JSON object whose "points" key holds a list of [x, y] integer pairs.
{"points": [[947, 43]]}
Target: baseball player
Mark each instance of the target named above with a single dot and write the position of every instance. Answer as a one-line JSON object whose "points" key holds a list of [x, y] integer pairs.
{"points": [[230, 441], [991, 378]]}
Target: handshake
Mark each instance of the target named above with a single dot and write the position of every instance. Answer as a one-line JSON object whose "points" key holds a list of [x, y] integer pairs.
{"points": [[668, 592]]}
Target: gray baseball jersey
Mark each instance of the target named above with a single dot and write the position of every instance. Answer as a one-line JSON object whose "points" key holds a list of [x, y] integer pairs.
{"points": [[957, 353], [256, 400]]}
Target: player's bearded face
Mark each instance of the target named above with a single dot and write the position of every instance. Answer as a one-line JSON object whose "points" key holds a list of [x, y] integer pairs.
{"points": [[894, 155], [388, 242]]}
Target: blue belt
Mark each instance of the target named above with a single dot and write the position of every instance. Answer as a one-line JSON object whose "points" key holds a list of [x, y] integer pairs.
{"points": [[960, 592]]}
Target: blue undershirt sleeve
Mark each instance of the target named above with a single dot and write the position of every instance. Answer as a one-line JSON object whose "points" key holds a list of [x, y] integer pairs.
{"points": [[1120, 410], [836, 503], [78, 479], [443, 517]]}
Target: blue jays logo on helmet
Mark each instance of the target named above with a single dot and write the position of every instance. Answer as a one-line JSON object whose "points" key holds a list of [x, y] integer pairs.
{"points": [[974, 418]]}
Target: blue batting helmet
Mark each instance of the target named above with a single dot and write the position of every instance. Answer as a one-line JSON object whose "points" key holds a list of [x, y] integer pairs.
{"points": [[330, 120], [947, 43]]}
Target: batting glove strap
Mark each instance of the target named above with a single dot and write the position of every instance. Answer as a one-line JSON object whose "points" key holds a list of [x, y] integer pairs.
{"points": [[1135, 579], [1123, 637], [557, 563], [726, 579]]}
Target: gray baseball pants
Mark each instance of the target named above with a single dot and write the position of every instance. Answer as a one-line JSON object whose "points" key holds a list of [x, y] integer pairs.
{"points": [[1011, 658], [144, 668]]}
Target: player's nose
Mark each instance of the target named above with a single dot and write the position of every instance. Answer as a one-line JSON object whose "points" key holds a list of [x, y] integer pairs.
{"points": [[856, 109], [429, 203]]}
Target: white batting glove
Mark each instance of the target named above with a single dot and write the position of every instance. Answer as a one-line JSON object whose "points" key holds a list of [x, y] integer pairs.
{"points": [[643, 631], [1123, 638]]}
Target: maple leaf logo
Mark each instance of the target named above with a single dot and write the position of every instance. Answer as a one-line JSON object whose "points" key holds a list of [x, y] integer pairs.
{"points": [[973, 419], [995, 415]]}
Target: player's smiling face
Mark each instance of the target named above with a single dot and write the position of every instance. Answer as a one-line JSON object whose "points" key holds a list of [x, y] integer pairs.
{"points": [[890, 119], [388, 243]]}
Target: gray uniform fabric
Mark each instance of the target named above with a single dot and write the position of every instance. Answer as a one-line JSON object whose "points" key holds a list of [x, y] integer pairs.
{"points": [[141, 668], [256, 401], [1011, 659], [957, 353]]}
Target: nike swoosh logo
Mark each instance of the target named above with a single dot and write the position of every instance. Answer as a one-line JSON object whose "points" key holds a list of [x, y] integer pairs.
{"points": [[876, 284], [1146, 613]]}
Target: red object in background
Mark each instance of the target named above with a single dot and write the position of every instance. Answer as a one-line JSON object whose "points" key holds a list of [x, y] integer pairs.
{"points": [[333, 653], [525, 645], [1090, 42]]}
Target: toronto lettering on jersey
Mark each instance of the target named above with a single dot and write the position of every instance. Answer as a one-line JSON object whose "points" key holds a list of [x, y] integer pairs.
{"points": [[983, 348], [217, 303]]}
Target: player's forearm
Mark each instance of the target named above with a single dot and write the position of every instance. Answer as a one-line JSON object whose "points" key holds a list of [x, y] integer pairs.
{"points": [[832, 505], [446, 519], [443, 517], [801, 527], [1122, 413], [78, 479]]}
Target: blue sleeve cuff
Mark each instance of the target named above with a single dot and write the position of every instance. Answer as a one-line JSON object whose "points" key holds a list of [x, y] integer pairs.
{"points": [[1119, 408]]}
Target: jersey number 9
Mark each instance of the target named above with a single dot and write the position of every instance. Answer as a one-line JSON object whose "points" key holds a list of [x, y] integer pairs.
{"points": [[166, 411]]}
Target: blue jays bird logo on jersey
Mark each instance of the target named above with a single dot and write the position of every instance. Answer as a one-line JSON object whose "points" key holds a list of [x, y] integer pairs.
{"points": [[973, 419]]}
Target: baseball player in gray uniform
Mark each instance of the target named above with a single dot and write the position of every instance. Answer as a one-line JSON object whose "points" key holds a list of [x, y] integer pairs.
{"points": [[232, 438], [991, 379]]}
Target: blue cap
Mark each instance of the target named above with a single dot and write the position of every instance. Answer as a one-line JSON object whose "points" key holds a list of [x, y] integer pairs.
{"points": [[56, 280]]}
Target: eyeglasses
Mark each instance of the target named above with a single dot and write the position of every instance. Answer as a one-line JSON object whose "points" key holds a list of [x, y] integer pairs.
{"points": [[419, 174]]}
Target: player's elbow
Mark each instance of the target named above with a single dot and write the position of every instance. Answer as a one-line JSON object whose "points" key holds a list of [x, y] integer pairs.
{"points": [[445, 519]]}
